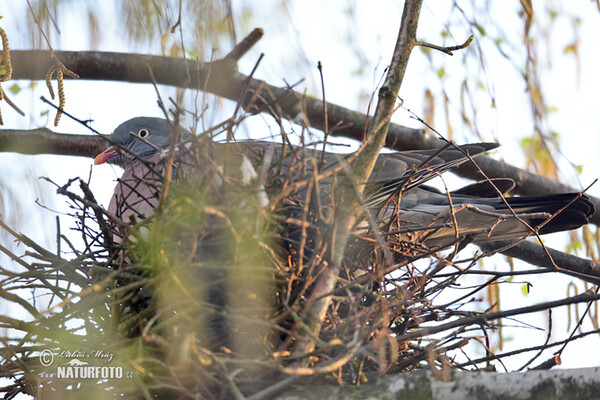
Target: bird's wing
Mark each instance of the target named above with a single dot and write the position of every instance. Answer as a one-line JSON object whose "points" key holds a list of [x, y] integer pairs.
{"points": [[425, 215], [487, 188], [409, 169], [392, 172]]}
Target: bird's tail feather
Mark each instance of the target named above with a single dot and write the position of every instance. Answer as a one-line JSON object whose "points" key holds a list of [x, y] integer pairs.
{"points": [[488, 219], [572, 210]]}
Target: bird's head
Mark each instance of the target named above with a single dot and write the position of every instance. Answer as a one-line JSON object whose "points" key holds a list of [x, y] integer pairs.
{"points": [[137, 137]]}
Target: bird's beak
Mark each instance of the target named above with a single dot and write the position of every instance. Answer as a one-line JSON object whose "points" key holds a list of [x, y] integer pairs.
{"points": [[106, 155]]}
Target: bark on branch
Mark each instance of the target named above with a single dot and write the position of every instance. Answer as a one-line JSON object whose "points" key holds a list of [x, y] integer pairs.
{"points": [[573, 384], [535, 254], [220, 77], [45, 141]]}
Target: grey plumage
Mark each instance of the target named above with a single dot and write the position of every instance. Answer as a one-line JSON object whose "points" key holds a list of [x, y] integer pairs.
{"points": [[395, 190], [138, 137]]}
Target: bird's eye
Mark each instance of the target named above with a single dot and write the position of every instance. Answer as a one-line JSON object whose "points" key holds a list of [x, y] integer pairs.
{"points": [[143, 133]]}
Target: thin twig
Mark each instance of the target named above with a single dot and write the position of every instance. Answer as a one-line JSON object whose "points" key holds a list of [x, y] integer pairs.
{"points": [[447, 49]]}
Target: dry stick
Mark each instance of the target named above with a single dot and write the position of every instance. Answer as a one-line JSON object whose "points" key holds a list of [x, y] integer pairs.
{"points": [[326, 129], [577, 326], [171, 156], [104, 227], [246, 86], [545, 345], [449, 49], [174, 27], [477, 319], [519, 351], [28, 242], [74, 118], [346, 216]]}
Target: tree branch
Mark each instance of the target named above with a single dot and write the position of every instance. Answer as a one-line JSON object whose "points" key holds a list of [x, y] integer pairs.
{"points": [[225, 81], [447, 49], [573, 384], [535, 254], [218, 77], [45, 141]]}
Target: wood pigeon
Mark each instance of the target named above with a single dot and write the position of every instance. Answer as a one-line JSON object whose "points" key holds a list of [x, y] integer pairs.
{"points": [[395, 193]]}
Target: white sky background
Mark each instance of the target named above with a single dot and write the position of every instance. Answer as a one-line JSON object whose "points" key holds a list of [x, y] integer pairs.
{"points": [[322, 30]]}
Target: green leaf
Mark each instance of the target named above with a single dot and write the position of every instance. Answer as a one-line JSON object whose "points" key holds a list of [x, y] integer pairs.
{"points": [[480, 29], [14, 89], [441, 72]]}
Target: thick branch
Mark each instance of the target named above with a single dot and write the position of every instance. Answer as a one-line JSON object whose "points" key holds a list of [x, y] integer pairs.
{"points": [[44, 141], [222, 79], [219, 77], [535, 254], [573, 384]]}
